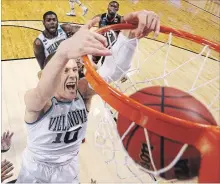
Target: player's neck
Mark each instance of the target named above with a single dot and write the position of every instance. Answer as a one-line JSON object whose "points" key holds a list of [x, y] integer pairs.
{"points": [[49, 35], [61, 99], [110, 17]]}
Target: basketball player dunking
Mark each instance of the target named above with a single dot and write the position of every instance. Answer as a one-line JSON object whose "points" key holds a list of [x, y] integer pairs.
{"points": [[48, 41], [56, 110]]}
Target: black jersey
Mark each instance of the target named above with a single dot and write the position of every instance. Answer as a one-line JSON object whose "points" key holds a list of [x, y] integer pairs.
{"points": [[105, 21], [81, 73], [111, 38]]}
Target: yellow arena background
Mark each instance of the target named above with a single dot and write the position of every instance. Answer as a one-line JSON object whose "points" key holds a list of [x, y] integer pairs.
{"points": [[22, 23]]}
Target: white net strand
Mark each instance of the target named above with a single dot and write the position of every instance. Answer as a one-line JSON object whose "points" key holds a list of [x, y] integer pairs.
{"points": [[204, 84], [149, 149], [214, 100], [118, 163], [177, 68], [107, 128], [126, 160], [163, 76], [104, 130], [124, 73], [158, 49], [201, 68], [166, 58], [201, 55], [165, 169]]}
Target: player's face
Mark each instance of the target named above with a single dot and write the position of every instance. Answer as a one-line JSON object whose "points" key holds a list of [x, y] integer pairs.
{"points": [[51, 23], [69, 81], [112, 9]]}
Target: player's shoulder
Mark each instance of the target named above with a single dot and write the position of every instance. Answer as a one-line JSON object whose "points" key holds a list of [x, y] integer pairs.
{"points": [[41, 35], [38, 42], [119, 16], [64, 25], [103, 15]]}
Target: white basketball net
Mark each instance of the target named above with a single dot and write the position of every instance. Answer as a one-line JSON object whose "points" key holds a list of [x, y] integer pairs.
{"points": [[157, 63]]}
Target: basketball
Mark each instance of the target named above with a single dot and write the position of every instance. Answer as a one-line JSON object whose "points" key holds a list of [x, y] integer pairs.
{"points": [[175, 103]]}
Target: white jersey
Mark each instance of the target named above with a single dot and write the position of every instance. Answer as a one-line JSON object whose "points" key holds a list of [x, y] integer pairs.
{"points": [[57, 136], [51, 45]]}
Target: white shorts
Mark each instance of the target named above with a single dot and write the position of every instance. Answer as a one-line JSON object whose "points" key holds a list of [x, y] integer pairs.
{"points": [[38, 172]]}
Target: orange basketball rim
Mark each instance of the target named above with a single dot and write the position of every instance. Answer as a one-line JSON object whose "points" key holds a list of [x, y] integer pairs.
{"points": [[205, 138]]}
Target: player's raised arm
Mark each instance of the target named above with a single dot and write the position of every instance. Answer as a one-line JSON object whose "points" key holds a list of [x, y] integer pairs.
{"points": [[146, 22], [87, 43], [99, 15]]}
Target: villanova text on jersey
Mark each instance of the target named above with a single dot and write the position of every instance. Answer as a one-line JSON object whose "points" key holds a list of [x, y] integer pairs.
{"points": [[53, 47], [64, 123]]}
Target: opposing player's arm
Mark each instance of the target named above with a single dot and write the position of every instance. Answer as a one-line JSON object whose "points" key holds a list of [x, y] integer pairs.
{"points": [[112, 71], [39, 52], [86, 92], [99, 15], [119, 63], [122, 20], [69, 29]]}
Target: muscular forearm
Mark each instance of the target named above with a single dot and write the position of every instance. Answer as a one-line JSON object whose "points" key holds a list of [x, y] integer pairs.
{"points": [[114, 66], [51, 76]]}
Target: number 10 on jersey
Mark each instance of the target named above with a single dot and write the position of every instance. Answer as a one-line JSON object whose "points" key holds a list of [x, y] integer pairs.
{"points": [[67, 137]]}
